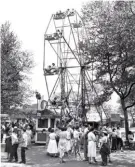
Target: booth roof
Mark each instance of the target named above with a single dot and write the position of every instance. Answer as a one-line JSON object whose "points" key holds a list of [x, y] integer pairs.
{"points": [[18, 116]]}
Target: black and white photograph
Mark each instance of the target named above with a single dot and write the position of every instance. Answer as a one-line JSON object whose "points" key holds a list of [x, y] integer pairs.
{"points": [[67, 83]]}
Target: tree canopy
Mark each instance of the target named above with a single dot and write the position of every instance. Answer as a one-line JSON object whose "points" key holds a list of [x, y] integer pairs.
{"points": [[15, 65], [110, 27]]}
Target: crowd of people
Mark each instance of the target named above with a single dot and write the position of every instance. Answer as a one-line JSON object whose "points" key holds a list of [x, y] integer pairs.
{"points": [[14, 135], [65, 140], [73, 140]]}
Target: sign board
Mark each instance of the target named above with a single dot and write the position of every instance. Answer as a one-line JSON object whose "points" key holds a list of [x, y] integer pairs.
{"points": [[39, 114], [115, 117], [93, 117]]}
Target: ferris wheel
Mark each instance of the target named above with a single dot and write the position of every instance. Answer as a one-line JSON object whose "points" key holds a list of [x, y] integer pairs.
{"points": [[67, 65]]}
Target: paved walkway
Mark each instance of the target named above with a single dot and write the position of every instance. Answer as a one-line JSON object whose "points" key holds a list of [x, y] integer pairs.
{"points": [[36, 157]]}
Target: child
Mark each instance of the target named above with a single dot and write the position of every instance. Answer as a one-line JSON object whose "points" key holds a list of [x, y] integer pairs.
{"points": [[104, 149]]}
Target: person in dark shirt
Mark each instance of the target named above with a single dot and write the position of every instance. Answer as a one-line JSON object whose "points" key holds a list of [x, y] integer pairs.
{"points": [[8, 142]]}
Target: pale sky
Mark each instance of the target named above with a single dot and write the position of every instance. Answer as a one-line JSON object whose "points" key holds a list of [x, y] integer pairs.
{"points": [[29, 19]]}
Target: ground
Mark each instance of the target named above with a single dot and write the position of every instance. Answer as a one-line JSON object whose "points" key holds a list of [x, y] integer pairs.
{"points": [[36, 157]]}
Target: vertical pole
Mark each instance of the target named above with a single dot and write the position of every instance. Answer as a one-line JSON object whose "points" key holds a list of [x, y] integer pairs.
{"points": [[62, 89], [37, 105], [83, 114]]}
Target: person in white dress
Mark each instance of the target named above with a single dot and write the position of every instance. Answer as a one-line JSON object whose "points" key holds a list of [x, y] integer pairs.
{"points": [[29, 135], [68, 140], [62, 146], [76, 136], [52, 148], [91, 146]]}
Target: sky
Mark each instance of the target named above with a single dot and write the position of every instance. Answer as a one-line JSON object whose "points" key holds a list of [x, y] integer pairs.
{"points": [[29, 19]]}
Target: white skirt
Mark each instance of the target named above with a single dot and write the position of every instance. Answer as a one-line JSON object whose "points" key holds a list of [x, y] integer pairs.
{"points": [[91, 149], [62, 147], [68, 145], [29, 140], [52, 147]]}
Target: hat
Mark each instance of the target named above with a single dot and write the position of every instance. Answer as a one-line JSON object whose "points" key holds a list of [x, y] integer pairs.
{"points": [[15, 127], [104, 132], [28, 127]]}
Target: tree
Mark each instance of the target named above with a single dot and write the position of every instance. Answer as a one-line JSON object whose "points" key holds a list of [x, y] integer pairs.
{"points": [[15, 65], [111, 30]]}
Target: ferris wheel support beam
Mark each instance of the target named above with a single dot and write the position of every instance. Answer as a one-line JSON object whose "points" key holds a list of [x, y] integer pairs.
{"points": [[44, 56], [68, 51], [71, 51], [62, 71], [83, 112], [55, 52], [54, 86], [71, 88], [48, 24], [87, 96], [73, 34], [72, 77], [78, 88], [47, 87]]}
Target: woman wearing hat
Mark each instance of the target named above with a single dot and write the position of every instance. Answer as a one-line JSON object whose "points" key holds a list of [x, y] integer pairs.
{"points": [[104, 148]]}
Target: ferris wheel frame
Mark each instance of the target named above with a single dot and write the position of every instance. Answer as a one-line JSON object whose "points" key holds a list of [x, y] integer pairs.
{"points": [[57, 38]]}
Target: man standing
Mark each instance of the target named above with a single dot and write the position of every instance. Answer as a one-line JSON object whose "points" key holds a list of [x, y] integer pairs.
{"points": [[85, 144], [119, 140], [23, 146], [76, 136]]}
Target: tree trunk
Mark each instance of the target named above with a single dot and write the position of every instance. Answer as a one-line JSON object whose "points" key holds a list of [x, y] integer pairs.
{"points": [[37, 105], [125, 117]]}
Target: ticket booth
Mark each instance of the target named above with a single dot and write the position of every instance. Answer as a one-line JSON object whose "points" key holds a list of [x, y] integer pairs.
{"points": [[45, 119]]}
